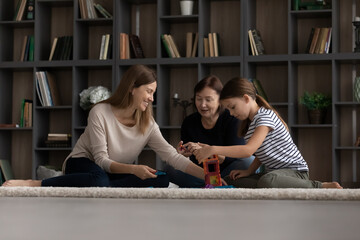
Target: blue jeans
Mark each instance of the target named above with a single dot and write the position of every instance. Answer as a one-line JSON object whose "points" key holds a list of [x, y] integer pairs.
{"points": [[185, 180], [82, 172]]}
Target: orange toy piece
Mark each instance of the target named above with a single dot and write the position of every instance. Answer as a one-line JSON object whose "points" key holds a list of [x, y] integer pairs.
{"points": [[212, 171]]}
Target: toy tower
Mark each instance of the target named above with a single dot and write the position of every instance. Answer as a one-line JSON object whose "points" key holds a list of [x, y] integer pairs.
{"points": [[212, 171]]}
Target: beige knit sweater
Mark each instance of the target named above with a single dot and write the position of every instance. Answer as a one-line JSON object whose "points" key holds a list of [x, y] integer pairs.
{"points": [[106, 140]]}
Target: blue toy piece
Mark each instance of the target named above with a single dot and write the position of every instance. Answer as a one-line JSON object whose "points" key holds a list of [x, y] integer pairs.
{"points": [[158, 173]]}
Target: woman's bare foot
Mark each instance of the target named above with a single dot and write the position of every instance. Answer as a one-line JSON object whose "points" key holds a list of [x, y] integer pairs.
{"points": [[331, 185], [22, 183]]}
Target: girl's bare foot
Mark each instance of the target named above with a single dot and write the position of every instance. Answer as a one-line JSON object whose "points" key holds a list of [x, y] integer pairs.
{"points": [[331, 185], [22, 183]]}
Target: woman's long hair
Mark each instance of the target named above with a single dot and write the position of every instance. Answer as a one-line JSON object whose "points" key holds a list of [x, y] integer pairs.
{"points": [[238, 87], [212, 82], [134, 77]]}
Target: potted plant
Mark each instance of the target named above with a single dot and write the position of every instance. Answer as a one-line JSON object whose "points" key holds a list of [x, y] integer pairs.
{"points": [[317, 105]]}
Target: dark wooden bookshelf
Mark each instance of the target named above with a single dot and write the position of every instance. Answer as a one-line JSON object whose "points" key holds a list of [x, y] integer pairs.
{"points": [[285, 71]]}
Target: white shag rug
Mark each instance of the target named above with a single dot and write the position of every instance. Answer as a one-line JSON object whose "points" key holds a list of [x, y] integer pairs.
{"points": [[185, 193]]}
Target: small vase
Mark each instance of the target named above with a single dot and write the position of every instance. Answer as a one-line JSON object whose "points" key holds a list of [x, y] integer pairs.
{"points": [[186, 7], [316, 116], [357, 89]]}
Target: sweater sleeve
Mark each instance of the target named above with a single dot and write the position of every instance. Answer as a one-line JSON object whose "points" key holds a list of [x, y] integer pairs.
{"points": [[166, 152], [98, 141]]}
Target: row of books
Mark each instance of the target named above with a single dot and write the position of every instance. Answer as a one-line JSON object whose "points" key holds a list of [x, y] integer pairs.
{"points": [[27, 49], [170, 46], [24, 10], [58, 140], [130, 46], [212, 45], [61, 48], [88, 10], [26, 117], [191, 44], [47, 89], [106, 47], [256, 43], [319, 40]]}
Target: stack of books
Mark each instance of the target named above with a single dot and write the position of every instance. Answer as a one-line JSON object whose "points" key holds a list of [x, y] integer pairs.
{"points": [[256, 43], [319, 40], [26, 118], [106, 47], [61, 48], [58, 140], [27, 49], [170, 46], [212, 45], [47, 90], [130, 46], [24, 10], [87, 10], [191, 44]]}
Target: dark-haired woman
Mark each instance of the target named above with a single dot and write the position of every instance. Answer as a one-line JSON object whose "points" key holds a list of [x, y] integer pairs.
{"points": [[211, 125]]}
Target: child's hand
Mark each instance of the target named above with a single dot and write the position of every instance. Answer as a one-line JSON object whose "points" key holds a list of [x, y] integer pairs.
{"points": [[235, 174], [203, 153]]}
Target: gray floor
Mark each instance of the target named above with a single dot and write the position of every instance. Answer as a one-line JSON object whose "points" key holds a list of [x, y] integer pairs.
{"points": [[100, 219]]}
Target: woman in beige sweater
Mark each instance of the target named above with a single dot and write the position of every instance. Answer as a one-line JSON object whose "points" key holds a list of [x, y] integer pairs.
{"points": [[117, 131]]}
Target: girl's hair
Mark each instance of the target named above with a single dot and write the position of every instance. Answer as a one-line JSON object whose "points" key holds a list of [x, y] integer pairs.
{"points": [[212, 82], [238, 87], [134, 77]]}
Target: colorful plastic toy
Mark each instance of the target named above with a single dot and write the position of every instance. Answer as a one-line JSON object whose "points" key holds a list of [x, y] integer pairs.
{"points": [[212, 171]]}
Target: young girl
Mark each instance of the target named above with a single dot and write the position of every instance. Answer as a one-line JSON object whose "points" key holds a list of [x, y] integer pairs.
{"points": [[267, 137]]}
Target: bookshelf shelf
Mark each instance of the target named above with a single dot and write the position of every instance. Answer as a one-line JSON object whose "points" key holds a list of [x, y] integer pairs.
{"points": [[285, 70]]}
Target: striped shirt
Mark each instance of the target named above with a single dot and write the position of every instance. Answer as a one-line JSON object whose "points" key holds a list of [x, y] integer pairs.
{"points": [[278, 150]]}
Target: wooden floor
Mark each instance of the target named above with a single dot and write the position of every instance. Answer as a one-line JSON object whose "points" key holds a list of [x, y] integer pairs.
{"points": [[110, 219]]}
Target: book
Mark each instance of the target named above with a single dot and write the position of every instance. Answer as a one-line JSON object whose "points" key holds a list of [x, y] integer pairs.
{"points": [[26, 54], [123, 45], [23, 48], [127, 47], [252, 43], [31, 49], [166, 46], [189, 44], [258, 42], [136, 47], [102, 46], [206, 47], [30, 9], [106, 46], [259, 89], [314, 40], [195, 45], [328, 41], [54, 91], [53, 48], [20, 12], [211, 44], [102, 11], [59, 137], [173, 46], [6, 170], [216, 40], [310, 40], [109, 53], [9, 125]]}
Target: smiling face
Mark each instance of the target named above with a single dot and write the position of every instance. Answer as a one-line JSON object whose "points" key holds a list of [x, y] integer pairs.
{"points": [[143, 96], [207, 102], [238, 107]]}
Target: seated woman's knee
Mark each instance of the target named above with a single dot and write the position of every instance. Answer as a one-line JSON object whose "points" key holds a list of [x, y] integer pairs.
{"points": [[99, 179]]}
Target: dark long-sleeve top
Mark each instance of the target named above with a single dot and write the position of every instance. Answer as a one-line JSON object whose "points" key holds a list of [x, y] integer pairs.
{"points": [[224, 133]]}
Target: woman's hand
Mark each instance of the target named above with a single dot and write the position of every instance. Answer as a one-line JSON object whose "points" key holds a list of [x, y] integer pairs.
{"points": [[144, 172], [235, 174], [180, 148]]}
